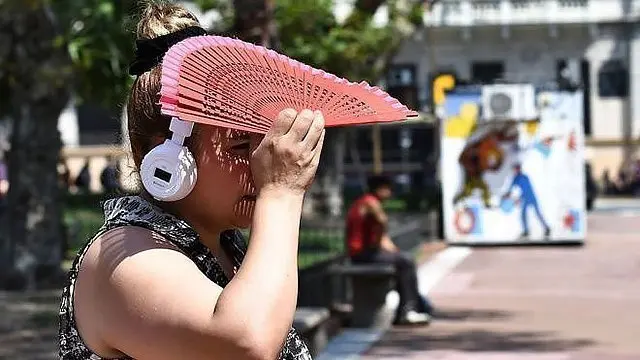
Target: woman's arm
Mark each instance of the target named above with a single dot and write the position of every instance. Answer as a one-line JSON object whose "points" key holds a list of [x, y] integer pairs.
{"points": [[283, 167], [263, 293]]}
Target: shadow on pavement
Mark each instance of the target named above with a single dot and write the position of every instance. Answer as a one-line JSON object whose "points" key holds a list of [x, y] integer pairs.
{"points": [[470, 315], [400, 342], [473, 331]]}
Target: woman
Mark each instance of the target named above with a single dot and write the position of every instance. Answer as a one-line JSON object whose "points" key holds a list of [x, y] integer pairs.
{"points": [[162, 280]]}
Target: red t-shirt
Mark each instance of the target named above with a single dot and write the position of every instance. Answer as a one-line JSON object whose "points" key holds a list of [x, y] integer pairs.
{"points": [[363, 230]]}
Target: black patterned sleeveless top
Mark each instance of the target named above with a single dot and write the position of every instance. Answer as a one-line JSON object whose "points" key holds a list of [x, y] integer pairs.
{"points": [[136, 211]]}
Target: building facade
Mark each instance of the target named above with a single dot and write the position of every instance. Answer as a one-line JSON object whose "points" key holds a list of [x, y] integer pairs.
{"points": [[592, 44]]}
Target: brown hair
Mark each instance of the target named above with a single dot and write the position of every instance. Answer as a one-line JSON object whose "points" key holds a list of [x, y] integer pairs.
{"points": [[143, 112]]}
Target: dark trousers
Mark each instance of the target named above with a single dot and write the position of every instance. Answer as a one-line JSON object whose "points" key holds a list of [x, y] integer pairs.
{"points": [[406, 278]]}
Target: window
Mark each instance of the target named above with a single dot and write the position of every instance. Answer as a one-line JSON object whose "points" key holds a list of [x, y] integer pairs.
{"points": [[585, 74], [487, 72], [402, 85], [567, 75], [401, 75], [574, 3], [613, 79]]}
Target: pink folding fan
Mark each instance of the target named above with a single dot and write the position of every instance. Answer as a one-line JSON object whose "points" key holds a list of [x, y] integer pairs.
{"points": [[230, 83]]}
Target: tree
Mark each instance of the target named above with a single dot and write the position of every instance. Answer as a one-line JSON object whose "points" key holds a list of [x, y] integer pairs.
{"points": [[253, 22], [51, 50], [308, 31], [34, 81], [358, 48], [99, 38]]}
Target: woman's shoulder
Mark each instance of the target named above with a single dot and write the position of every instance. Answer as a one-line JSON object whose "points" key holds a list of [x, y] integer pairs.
{"points": [[133, 278], [126, 249], [134, 236], [127, 257]]}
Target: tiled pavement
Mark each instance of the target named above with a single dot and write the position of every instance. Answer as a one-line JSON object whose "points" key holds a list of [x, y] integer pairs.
{"points": [[540, 303]]}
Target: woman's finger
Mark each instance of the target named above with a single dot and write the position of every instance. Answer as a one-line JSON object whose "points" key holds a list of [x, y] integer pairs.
{"points": [[317, 150], [315, 131], [300, 126], [283, 122]]}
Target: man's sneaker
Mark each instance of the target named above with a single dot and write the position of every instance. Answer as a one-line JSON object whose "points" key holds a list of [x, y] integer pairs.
{"points": [[414, 318], [425, 306]]}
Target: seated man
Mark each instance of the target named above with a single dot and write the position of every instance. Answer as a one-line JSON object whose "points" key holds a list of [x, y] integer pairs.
{"points": [[368, 242]]}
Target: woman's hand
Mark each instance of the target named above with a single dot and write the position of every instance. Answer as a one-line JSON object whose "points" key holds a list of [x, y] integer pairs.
{"points": [[287, 158]]}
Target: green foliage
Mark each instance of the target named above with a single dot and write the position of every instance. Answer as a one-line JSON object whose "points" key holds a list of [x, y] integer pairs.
{"points": [[205, 5], [99, 38], [356, 49], [226, 11]]}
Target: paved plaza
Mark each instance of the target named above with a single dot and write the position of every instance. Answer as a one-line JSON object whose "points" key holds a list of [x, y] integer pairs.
{"points": [[537, 303]]}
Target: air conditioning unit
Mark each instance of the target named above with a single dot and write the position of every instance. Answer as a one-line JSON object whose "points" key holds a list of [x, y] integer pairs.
{"points": [[508, 102]]}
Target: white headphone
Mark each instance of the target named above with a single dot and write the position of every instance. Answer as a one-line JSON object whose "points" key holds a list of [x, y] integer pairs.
{"points": [[169, 171]]}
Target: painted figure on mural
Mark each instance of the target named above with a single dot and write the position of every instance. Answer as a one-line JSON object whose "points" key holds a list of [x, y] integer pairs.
{"points": [[484, 153], [527, 199]]}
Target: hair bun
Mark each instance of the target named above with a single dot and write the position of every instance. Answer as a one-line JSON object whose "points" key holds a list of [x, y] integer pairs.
{"points": [[163, 17]]}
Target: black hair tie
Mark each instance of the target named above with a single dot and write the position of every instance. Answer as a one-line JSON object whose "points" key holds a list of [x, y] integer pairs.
{"points": [[149, 52]]}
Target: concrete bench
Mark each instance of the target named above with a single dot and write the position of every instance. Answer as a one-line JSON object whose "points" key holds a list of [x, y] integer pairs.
{"points": [[312, 325], [370, 284]]}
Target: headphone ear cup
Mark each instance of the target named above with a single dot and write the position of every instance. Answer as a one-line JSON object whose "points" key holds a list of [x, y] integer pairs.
{"points": [[147, 172], [168, 172], [188, 174]]}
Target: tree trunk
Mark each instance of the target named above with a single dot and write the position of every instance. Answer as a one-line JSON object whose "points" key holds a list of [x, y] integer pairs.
{"points": [[38, 78], [253, 22]]}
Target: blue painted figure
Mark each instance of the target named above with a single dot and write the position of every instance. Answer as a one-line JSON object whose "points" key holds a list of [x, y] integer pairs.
{"points": [[527, 199]]}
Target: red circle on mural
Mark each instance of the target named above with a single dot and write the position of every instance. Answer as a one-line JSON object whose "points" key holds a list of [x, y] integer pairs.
{"points": [[465, 221]]}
